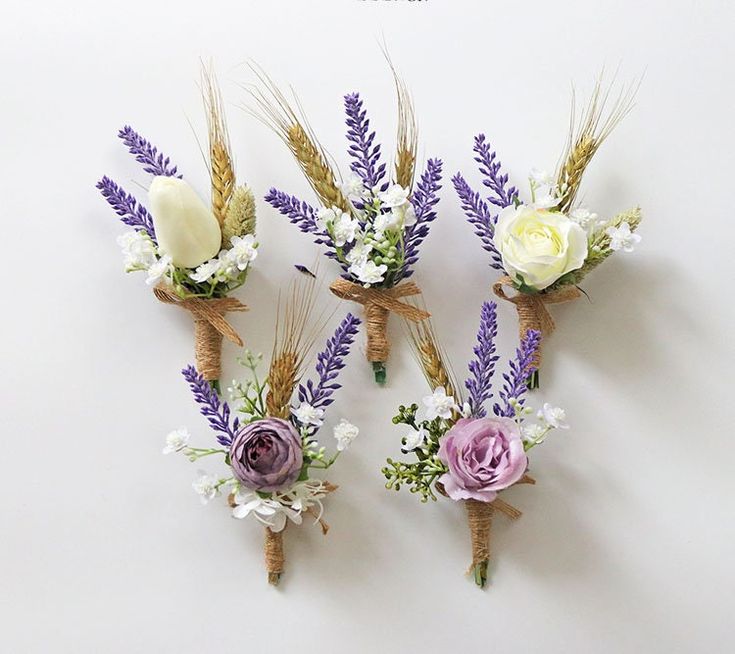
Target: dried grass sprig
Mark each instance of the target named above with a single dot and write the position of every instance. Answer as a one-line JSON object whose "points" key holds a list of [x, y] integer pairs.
{"points": [[273, 109], [297, 327], [222, 171], [407, 137], [240, 215], [587, 134], [430, 355]]}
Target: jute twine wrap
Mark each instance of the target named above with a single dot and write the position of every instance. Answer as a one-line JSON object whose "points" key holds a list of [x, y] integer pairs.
{"points": [[274, 560], [532, 311], [378, 303], [479, 517], [209, 327]]}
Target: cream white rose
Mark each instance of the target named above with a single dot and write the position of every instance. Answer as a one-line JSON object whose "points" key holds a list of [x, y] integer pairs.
{"points": [[186, 229], [539, 246]]}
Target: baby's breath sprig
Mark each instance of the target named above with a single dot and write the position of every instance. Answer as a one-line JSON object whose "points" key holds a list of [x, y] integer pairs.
{"points": [[250, 393]]}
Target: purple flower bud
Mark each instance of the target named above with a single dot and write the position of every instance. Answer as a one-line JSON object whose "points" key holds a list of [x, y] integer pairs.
{"points": [[266, 455], [484, 456]]}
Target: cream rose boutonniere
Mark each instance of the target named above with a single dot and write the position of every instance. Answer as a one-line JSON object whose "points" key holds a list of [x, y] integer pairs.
{"points": [[538, 246]]}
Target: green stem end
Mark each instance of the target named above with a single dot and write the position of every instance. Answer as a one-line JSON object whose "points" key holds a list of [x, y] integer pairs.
{"points": [[380, 372], [479, 573], [533, 380]]}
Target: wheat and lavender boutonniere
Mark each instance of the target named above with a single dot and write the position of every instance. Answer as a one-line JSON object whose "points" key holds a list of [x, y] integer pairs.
{"points": [[193, 255], [373, 220], [270, 450], [546, 246], [462, 452]]}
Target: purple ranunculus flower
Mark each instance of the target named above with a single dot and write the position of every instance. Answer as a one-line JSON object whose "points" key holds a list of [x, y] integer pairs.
{"points": [[484, 456], [266, 455]]}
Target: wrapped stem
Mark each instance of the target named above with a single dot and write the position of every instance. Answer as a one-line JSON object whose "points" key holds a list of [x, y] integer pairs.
{"points": [[207, 349], [274, 559], [378, 345], [479, 516]]}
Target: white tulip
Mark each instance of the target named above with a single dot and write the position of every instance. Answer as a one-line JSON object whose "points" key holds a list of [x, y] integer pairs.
{"points": [[186, 229]]}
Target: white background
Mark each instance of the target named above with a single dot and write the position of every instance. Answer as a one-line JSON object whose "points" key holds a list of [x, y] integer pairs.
{"points": [[626, 542]]}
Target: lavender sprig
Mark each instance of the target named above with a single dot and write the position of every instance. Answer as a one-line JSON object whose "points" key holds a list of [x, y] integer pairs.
{"points": [[303, 215], [300, 213], [482, 367], [366, 155], [479, 215], [127, 207], [520, 370], [495, 180], [329, 363], [424, 200], [147, 154], [215, 410]]}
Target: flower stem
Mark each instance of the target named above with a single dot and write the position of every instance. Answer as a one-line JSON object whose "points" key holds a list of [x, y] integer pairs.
{"points": [[533, 380], [379, 372], [479, 573], [214, 383]]}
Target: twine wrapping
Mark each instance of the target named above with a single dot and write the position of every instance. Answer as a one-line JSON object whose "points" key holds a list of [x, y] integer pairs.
{"points": [[532, 311], [209, 328], [378, 303], [479, 517], [274, 560]]}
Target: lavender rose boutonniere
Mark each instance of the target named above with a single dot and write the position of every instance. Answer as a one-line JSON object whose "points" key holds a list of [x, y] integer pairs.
{"points": [[271, 449], [462, 452]]}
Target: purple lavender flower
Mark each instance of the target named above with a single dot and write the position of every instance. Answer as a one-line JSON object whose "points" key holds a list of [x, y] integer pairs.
{"points": [[127, 207], [366, 155], [476, 209], [303, 215], [329, 363], [300, 213], [520, 370], [424, 200], [146, 154], [215, 410], [482, 367], [479, 215], [495, 180]]}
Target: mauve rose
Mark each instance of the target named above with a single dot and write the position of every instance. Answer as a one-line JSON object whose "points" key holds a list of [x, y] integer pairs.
{"points": [[484, 456], [266, 455]]}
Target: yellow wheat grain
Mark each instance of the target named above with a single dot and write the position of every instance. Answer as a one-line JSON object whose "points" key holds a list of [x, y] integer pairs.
{"points": [[240, 216]]}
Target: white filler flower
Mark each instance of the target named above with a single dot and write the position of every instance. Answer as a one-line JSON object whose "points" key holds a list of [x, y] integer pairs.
{"points": [[308, 415], [415, 438], [345, 432], [439, 405], [206, 487], [554, 416], [176, 440], [621, 238]]}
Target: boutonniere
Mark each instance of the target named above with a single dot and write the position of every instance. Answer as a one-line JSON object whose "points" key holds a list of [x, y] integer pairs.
{"points": [[373, 220], [193, 254], [546, 243], [271, 450], [462, 450]]}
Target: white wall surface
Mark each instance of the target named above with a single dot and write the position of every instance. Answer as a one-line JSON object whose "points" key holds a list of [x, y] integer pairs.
{"points": [[626, 541]]}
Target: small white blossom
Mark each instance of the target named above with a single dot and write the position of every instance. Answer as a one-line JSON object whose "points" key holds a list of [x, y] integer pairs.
{"points": [[585, 219], [353, 187], [386, 222], [541, 177], [533, 433], [359, 252], [139, 251], [267, 510], [308, 415], [394, 196], [344, 229], [205, 271], [466, 410], [206, 487], [621, 238], [554, 416], [345, 432], [162, 268], [414, 438], [368, 272], [176, 440], [439, 405], [243, 251]]}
